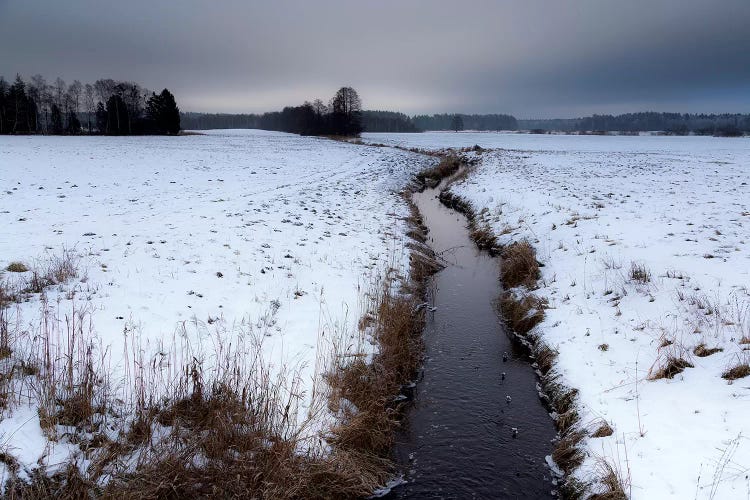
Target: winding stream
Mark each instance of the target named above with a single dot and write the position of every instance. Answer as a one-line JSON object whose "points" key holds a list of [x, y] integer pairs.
{"points": [[458, 440]]}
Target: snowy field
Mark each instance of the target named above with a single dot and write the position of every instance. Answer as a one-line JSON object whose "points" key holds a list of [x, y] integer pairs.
{"points": [[184, 245], [644, 242]]}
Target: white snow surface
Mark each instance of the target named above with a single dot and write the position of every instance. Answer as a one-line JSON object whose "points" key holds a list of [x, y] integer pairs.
{"points": [[593, 206], [181, 238]]}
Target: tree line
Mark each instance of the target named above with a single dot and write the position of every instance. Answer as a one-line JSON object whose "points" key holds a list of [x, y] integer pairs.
{"points": [[309, 116], [462, 121], [670, 123], [107, 106], [341, 116]]}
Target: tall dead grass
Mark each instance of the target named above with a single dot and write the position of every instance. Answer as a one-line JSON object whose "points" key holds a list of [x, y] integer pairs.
{"points": [[174, 429]]}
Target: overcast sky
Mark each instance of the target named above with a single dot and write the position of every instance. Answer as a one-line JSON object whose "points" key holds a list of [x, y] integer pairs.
{"points": [[531, 58]]}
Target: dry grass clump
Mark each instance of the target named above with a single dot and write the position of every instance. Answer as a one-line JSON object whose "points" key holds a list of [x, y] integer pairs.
{"points": [[66, 484], [483, 236], [372, 388], [545, 357], [17, 267], [702, 351], [522, 312], [672, 366], [448, 165], [568, 454], [234, 439], [612, 483], [639, 272], [603, 430], [740, 370], [55, 269], [519, 265]]}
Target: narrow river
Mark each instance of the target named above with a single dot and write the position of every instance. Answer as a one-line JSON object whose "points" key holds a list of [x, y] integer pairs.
{"points": [[477, 428]]}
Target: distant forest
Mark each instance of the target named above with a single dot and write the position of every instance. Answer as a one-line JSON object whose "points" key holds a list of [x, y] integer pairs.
{"points": [[727, 125], [105, 107], [112, 107], [370, 121], [388, 121], [342, 116]]}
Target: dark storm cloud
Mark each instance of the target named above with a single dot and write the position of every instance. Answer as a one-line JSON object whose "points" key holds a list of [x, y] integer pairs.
{"points": [[530, 58]]}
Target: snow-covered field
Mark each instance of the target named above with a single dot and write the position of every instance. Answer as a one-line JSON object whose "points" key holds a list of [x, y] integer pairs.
{"points": [[185, 243], [676, 208]]}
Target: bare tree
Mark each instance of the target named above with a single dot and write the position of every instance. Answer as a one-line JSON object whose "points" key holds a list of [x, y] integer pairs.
{"points": [[75, 91], [89, 103], [346, 101], [319, 107], [58, 92], [39, 91], [346, 112]]}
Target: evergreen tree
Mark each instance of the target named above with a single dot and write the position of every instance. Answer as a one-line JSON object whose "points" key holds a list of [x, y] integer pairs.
{"points": [[18, 116], [457, 123], [162, 114], [74, 125], [170, 113], [56, 120], [153, 113]]}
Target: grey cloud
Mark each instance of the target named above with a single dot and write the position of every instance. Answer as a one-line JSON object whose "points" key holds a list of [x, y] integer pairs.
{"points": [[530, 58]]}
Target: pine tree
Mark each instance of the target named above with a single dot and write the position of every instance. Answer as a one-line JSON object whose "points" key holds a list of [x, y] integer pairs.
{"points": [[74, 125], [457, 123], [170, 113], [19, 112]]}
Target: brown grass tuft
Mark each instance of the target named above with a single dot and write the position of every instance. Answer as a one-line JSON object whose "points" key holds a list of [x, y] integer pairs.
{"points": [[740, 370], [603, 430], [567, 453], [639, 272], [448, 165], [522, 313], [545, 357], [702, 351], [483, 236], [613, 483], [17, 267], [671, 367], [519, 265]]}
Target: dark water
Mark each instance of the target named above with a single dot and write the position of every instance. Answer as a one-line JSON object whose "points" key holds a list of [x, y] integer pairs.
{"points": [[458, 438]]}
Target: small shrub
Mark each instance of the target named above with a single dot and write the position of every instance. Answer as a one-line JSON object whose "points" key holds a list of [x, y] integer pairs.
{"points": [[17, 267]]}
